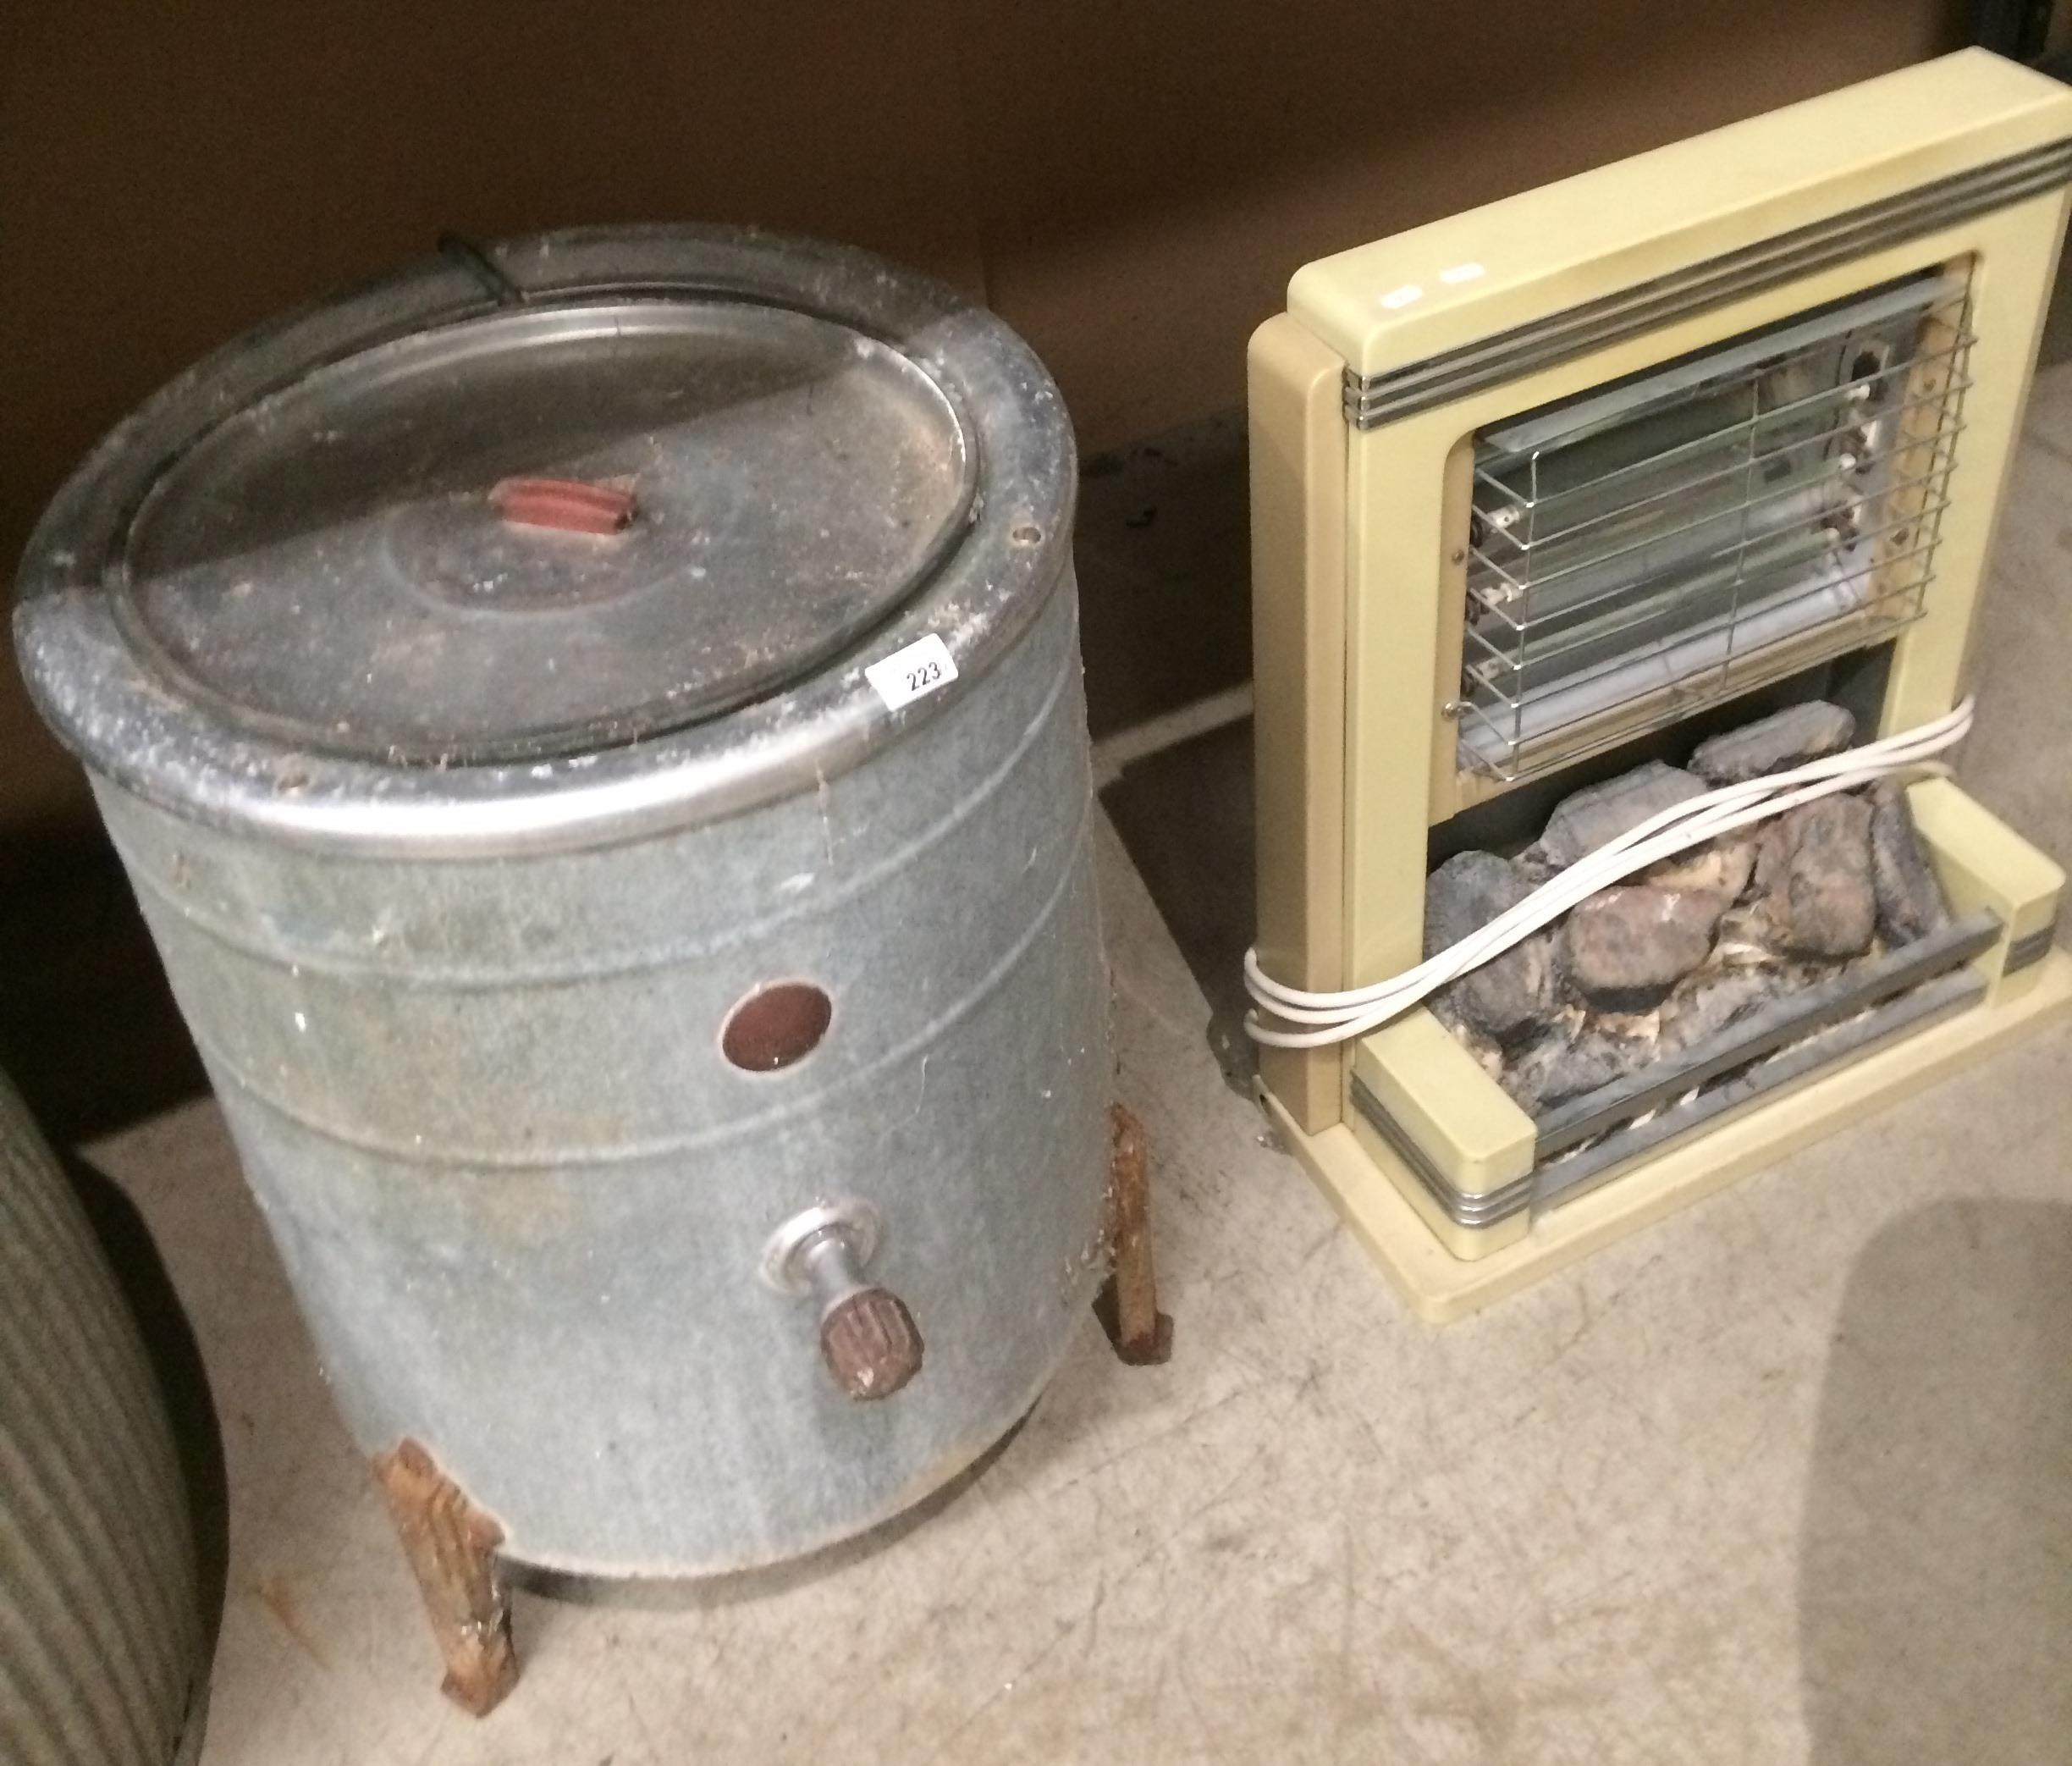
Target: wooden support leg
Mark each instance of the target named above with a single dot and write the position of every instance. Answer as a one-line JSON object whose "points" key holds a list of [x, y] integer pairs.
{"points": [[1128, 1304], [451, 1545]]}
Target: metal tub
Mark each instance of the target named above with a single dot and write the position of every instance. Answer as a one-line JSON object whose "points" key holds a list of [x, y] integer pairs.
{"points": [[595, 1079]]}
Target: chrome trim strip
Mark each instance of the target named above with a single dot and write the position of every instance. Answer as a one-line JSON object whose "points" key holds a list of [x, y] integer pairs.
{"points": [[1377, 399], [1481, 1209], [2033, 947]]}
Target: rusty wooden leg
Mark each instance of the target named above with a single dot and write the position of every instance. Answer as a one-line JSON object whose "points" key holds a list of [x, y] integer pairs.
{"points": [[451, 1545], [1128, 1304]]}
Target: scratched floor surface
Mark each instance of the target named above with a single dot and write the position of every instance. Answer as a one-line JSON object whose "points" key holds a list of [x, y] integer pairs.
{"points": [[1787, 1478]]}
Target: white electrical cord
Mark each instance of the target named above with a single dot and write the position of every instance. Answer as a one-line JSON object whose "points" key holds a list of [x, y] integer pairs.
{"points": [[1339, 1017]]}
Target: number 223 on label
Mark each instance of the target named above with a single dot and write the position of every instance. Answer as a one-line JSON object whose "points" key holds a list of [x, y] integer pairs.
{"points": [[912, 673]]}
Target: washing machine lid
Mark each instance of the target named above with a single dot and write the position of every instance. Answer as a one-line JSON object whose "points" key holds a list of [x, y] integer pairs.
{"points": [[555, 527], [308, 591]]}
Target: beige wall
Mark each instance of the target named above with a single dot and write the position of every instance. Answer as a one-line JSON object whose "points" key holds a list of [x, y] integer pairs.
{"points": [[1129, 181]]}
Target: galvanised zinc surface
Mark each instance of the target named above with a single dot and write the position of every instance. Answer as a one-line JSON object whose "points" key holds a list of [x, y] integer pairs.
{"points": [[523, 1198], [464, 1021]]}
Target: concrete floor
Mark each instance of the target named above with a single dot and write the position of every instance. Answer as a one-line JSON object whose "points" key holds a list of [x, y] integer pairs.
{"points": [[1786, 1478]]}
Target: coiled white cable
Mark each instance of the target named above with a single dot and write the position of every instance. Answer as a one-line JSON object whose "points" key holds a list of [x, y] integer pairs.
{"points": [[1314, 1020]]}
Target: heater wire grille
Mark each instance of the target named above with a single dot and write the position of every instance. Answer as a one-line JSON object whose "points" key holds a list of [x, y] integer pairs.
{"points": [[1654, 545]]}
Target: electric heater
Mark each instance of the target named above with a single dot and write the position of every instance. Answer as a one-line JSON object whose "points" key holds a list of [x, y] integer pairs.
{"points": [[1545, 497]]}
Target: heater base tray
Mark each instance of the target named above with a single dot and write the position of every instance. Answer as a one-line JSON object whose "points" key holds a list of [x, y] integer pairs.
{"points": [[1368, 1190]]}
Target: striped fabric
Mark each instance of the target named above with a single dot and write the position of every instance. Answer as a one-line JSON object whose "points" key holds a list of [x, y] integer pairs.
{"points": [[99, 1621]]}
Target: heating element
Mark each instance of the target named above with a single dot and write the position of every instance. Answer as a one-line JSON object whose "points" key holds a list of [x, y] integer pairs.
{"points": [[1650, 546]]}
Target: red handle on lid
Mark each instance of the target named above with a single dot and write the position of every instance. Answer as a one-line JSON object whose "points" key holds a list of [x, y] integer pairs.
{"points": [[568, 504]]}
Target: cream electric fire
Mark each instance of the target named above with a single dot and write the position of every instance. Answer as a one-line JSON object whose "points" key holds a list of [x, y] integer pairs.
{"points": [[1560, 486]]}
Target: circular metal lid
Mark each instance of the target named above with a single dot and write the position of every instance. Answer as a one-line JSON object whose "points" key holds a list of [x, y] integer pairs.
{"points": [[576, 538], [546, 530]]}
